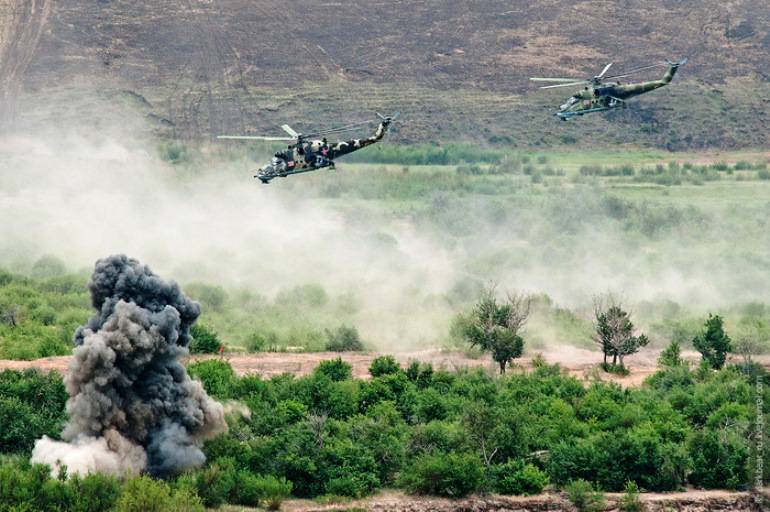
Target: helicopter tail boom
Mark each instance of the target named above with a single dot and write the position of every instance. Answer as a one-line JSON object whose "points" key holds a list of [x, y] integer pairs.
{"points": [[672, 69]]}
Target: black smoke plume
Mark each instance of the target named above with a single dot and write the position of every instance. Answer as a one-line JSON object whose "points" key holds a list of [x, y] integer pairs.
{"points": [[132, 406]]}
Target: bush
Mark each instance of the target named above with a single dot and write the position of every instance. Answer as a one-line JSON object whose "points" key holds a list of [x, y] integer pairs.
{"points": [[214, 484], [343, 339], [763, 174], [272, 491], [630, 502], [516, 478], [218, 377], [336, 369], [144, 494], [718, 463], [95, 492], [452, 475], [31, 406], [671, 356], [583, 496], [204, 340], [384, 365]]}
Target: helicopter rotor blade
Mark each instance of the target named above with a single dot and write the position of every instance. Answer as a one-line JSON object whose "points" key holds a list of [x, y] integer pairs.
{"points": [[288, 129], [541, 79], [345, 128], [573, 84], [253, 137], [389, 118], [604, 71], [636, 70]]}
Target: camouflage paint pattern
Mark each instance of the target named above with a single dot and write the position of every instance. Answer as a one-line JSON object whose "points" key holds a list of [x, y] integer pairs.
{"points": [[306, 156], [597, 98]]}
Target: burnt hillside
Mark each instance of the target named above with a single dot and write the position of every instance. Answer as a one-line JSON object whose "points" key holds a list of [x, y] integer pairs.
{"points": [[212, 65]]}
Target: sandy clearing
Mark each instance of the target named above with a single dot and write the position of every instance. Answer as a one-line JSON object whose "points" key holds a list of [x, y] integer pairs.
{"points": [[578, 362]]}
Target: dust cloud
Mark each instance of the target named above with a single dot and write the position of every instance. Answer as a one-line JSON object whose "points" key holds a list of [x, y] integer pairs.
{"points": [[79, 194]]}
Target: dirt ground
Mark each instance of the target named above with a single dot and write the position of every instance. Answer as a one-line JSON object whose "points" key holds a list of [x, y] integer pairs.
{"points": [[580, 363], [691, 500]]}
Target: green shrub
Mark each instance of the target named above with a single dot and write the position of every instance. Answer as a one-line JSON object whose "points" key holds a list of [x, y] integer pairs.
{"points": [[343, 339], [763, 174], [742, 165], [215, 483], [336, 369], [452, 475], [384, 365], [253, 490], [630, 501], [671, 356], [718, 463], [584, 497], [145, 494], [175, 152], [217, 376], [31, 406], [204, 340], [95, 492], [516, 478]]}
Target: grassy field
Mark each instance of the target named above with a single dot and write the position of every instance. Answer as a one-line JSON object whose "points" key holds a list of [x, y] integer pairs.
{"points": [[562, 224]]}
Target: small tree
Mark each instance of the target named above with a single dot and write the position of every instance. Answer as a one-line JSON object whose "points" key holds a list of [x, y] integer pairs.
{"points": [[495, 327], [630, 501], [615, 331], [671, 356], [713, 343]]}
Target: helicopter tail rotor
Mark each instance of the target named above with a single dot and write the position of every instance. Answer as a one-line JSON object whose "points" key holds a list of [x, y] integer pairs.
{"points": [[677, 64], [388, 119]]}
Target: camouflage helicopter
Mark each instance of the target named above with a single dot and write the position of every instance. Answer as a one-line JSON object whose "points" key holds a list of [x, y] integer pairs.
{"points": [[307, 154], [599, 94]]}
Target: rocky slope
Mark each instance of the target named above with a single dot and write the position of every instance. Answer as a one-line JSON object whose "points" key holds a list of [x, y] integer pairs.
{"points": [[200, 67]]}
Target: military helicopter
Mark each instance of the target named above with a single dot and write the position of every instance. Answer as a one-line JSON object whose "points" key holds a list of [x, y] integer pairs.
{"points": [[307, 154], [599, 95]]}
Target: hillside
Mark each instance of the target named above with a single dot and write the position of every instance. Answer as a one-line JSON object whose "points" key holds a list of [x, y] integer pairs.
{"points": [[201, 67]]}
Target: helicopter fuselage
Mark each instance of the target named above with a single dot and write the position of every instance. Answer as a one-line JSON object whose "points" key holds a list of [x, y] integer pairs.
{"points": [[307, 156], [602, 96]]}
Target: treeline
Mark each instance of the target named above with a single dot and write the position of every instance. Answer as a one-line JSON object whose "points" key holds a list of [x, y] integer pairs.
{"points": [[427, 431]]}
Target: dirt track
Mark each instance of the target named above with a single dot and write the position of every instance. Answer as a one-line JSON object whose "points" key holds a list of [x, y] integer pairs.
{"points": [[580, 363], [691, 500]]}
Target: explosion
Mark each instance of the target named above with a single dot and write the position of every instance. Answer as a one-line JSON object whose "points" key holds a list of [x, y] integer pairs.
{"points": [[132, 406]]}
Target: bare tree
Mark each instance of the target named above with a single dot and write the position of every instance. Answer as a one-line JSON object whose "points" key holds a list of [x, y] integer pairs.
{"points": [[752, 340], [519, 305]]}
